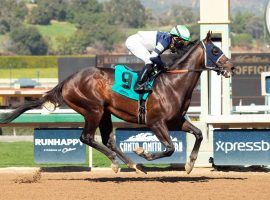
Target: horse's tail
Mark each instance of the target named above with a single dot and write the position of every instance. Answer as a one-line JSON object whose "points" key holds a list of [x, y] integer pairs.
{"points": [[53, 97]]}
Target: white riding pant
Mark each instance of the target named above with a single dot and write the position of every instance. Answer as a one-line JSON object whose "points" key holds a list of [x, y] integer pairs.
{"points": [[137, 45]]}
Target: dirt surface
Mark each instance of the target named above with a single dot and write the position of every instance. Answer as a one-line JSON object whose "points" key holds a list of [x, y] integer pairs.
{"points": [[202, 183]]}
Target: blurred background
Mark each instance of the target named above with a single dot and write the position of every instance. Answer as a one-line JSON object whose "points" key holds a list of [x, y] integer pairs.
{"points": [[70, 27]]}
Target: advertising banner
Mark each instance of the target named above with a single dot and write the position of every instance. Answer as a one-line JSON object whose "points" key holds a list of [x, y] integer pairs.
{"points": [[129, 139], [241, 147], [58, 145]]}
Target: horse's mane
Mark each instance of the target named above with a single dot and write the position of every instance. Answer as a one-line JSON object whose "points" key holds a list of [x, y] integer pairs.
{"points": [[184, 49], [182, 53]]}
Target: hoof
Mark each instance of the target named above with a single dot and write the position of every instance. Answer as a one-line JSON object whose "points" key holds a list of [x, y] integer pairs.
{"points": [[139, 151], [189, 167], [115, 167]]}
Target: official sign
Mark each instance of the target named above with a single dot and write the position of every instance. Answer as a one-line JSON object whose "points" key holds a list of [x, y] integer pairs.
{"points": [[242, 147], [129, 139], [246, 83], [58, 145]]}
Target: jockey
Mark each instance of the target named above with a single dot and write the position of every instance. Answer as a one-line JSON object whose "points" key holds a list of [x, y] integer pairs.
{"points": [[149, 45]]}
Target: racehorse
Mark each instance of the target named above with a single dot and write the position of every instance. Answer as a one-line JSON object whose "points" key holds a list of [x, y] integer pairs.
{"points": [[89, 92]]}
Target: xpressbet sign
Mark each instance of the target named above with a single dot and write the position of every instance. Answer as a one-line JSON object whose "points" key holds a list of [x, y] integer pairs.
{"points": [[228, 147], [58, 146], [130, 139], [242, 147]]}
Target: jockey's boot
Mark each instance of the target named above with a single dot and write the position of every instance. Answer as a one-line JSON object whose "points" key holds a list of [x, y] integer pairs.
{"points": [[141, 85]]}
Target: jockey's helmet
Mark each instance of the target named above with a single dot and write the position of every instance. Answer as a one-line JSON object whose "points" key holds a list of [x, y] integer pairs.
{"points": [[181, 31]]}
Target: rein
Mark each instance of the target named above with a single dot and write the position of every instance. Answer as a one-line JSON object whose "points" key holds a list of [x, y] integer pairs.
{"points": [[179, 71]]}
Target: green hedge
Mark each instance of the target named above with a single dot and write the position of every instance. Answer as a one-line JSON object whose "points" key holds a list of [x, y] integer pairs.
{"points": [[28, 61], [31, 61]]}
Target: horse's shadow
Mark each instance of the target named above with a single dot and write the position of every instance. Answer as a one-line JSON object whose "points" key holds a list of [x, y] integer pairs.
{"points": [[162, 179], [241, 168]]}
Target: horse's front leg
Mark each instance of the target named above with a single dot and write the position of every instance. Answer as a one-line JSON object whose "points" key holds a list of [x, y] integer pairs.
{"points": [[188, 127], [161, 131]]}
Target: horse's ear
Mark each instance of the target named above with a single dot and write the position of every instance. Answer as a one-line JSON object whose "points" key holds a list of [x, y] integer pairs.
{"points": [[208, 36]]}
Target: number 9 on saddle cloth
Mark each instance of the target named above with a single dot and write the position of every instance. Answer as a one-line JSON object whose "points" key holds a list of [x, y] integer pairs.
{"points": [[125, 79]]}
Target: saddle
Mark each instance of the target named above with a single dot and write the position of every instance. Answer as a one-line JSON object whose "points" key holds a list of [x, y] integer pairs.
{"points": [[124, 82]]}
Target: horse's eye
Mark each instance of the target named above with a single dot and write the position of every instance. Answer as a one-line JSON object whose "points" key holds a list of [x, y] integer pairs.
{"points": [[215, 51]]}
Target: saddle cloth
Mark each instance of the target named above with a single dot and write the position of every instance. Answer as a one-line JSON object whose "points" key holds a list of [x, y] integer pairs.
{"points": [[124, 81]]}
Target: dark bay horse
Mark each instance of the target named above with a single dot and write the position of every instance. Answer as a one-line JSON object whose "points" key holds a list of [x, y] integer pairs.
{"points": [[89, 92]]}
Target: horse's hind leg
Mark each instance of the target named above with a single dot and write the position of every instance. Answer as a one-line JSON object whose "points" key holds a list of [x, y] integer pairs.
{"points": [[92, 116], [188, 127], [87, 137], [106, 131]]}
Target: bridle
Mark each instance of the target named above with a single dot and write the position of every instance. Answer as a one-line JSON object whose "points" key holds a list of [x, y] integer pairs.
{"points": [[216, 66], [221, 69]]}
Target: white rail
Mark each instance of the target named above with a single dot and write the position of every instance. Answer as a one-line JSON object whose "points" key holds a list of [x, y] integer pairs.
{"points": [[251, 109]]}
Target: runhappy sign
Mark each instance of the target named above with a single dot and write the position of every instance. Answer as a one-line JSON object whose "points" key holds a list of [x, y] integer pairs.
{"points": [[58, 146]]}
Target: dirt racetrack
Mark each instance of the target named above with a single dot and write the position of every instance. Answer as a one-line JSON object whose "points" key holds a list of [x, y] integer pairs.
{"points": [[202, 183]]}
